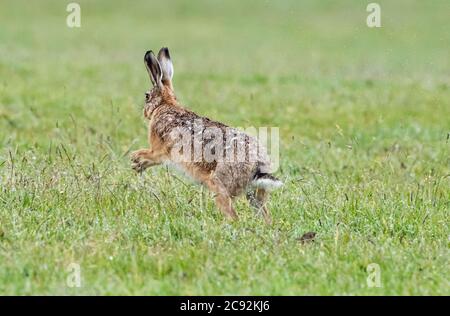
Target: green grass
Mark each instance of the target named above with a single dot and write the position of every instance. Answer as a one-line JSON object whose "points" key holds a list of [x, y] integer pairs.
{"points": [[364, 118]]}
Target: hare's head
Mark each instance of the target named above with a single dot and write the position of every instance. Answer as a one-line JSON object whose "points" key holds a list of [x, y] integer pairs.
{"points": [[160, 71]]}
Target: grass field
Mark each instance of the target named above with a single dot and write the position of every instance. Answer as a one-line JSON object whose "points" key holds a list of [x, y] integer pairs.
{"points": [[364, 118]]}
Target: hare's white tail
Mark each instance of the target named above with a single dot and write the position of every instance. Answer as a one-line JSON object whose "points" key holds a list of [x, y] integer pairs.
{"points": [[266, 181]]}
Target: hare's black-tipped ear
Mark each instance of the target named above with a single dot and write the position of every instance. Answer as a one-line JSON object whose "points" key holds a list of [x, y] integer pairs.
{"points": [[153, 68], [166, 66]]}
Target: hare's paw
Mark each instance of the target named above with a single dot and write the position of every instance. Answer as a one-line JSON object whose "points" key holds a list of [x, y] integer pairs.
{"points": [[140, 166], [137, 155], [138, 161]]}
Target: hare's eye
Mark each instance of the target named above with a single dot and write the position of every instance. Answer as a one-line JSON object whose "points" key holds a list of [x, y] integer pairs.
{"points": [[147, 96]]}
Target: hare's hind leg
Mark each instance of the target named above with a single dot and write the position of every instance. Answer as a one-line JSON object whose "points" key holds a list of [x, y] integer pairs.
{"points": [[144, 158], [223, 199], [258, 199]]}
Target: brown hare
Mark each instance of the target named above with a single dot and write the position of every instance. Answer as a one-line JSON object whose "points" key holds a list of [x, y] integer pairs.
{"points": [[224, 159]]}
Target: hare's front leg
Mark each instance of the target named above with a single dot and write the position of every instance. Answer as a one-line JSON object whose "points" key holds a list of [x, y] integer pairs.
{"points": [[143, 158]]}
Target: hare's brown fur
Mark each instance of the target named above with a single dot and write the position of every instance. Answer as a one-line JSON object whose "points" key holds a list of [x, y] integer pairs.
{"points": [[226, 179]]}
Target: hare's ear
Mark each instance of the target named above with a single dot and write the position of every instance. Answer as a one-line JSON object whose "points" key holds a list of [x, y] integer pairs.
{"points": [[153, 68], [166, 66]]}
